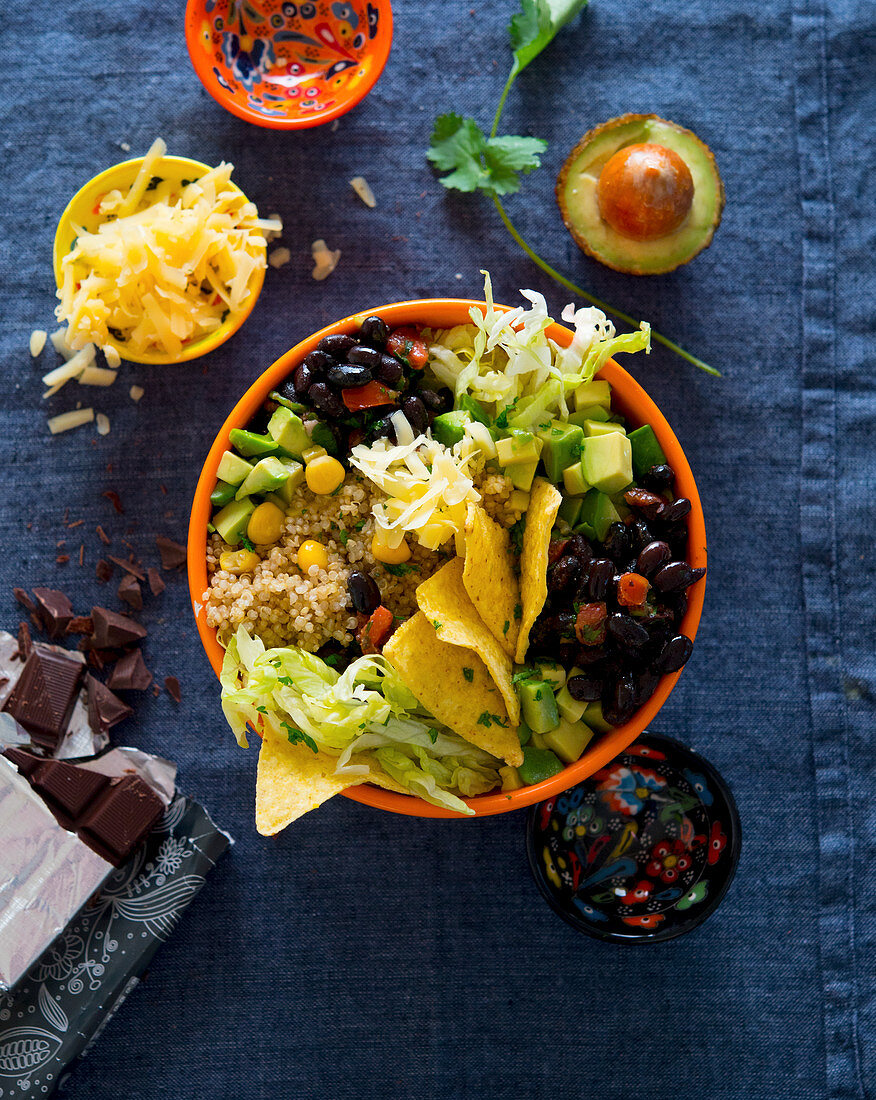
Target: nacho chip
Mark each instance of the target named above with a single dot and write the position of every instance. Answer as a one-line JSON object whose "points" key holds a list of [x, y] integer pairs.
{"points": [[443, 599], [291, 780], [544, 503], [489, 577], [455, 686]]}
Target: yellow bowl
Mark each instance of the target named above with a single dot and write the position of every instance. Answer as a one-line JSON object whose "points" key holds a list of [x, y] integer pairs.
{"points": [[81, 211]]}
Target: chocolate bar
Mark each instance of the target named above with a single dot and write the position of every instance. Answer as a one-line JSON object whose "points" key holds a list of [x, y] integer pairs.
{"points": [[43, 698]]}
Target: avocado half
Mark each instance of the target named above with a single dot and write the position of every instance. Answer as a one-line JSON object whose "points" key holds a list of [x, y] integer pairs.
{"points": [[577, 195]]}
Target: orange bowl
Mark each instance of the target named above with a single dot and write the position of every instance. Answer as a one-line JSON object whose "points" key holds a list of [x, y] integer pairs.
{"points": [[288, 66], [628, 398]]}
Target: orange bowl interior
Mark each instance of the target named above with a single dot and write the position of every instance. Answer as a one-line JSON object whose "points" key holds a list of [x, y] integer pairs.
{"points": [[628, 398], [288, 66]]}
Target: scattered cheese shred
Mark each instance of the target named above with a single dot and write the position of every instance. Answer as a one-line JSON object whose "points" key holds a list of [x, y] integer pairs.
{"points": [[279, 257], [38, 341], [324, 260], [71, 369], [72, 419], [166, 267], [136, 392], [360, 186], [97, 376], [103, 424]]}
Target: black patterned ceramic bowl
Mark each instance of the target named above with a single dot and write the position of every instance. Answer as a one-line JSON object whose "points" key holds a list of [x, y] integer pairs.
{"points": [[643, 850]]}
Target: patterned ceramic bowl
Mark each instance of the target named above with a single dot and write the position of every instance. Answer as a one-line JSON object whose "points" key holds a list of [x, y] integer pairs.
{"points": [[643, 850], [288, 66]]}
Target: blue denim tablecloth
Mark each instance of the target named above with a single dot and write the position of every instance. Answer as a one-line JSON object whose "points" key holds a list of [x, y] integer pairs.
{"points": [[366, 955]]}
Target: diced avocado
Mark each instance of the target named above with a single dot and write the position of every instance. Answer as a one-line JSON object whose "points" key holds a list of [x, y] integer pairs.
{"points": [[570, 509], [222, 494], [585, 529], [593, 717], [448, 428], [647, 452], [287, 430], [267, 475], [538, 705], [518, 449], [595, 392], [574, 481], [474, 408], [232, 520], [537, 741], [295, 471], [589, 412], [552, 672], [523, 733], [232, 468], [570, 709], [519, 500], [607, 461], [522, 475], [323, 436], [295, 406], [538, 765], [562, 447], [252, 444], [598, 511], [602, 427], [511, 780], [569, 740]]}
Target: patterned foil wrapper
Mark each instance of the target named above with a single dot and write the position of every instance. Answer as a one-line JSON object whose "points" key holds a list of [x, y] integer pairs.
{"points": [[50, 1019]]}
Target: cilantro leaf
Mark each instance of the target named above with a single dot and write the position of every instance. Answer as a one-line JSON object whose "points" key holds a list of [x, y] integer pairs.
{"points": [[485, 720], [245, 543], [506, 156], [535, 25], [468, 673], [297, 736], [478, 163], [433, 735]]}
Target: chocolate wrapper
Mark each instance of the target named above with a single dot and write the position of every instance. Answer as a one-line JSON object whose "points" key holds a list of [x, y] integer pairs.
{"points": [[49, 1020]]}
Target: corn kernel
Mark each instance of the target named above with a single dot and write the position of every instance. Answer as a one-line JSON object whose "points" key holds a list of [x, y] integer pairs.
{"points": [[312, 453], [266, 524], [311, 552], [391, 555], [324, 475], [238, 561]]}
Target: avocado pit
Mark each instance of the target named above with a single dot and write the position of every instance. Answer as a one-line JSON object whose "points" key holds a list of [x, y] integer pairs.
{"points": [[645, 191]]}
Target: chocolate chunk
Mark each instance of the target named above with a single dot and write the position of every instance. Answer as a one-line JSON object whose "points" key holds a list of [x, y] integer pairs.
{"points": [[25, 644], [54, 610], [43, 698], [124, 815], [103, 570], [113, 630], [66, 788], [156, 584], [26, 762], [113, 497], [172, 685], [129, 566], [130, 673], [173, 554], [129, 592], [104, 708], [25, 600], [80, 624]]}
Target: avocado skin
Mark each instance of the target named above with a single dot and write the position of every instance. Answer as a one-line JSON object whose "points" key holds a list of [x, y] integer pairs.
{"points": [[624, 253]]}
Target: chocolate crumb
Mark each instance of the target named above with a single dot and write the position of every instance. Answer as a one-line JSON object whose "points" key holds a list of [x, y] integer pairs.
{"points": [[104, 708], [82, 553], [103, 570], [62, 559], [173, 554], [25, 643], [156, 584], [163, 488], [102, 535], [113, 497], [156, 690], [54, 610], [129, 592], [75, 523], [172, 685], [80, 624], [130, 673], [130, 566], [25, 600]]}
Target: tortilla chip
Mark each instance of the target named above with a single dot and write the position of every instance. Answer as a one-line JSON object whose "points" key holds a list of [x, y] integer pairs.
{"points": [[443, 599], [544, 503], [489, 577], [292, 780], [455, 686]]}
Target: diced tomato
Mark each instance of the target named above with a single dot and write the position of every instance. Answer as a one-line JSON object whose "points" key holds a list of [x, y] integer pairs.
{"points": [[555, 550], [632, 588], [590, 623], [406, 344], [368, 396], [376, 630]]}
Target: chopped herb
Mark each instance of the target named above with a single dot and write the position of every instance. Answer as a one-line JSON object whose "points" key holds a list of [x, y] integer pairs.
{"points": [[525, 674], [555, 432], [247, 545], [225, 313], [499, 720], [286, 681], [502, 418], [436, 624], [154, 182], [344, 537], [505, 627], [544, 427], [336, 491], [538, 696], [576, 450], [517, 531], [401, 570], [360, 524], [518, 611], [117, 334], [468, 673], [433, 735], [297, 737], [332, 660], [485, 720], [185, 183], [262, 710]]}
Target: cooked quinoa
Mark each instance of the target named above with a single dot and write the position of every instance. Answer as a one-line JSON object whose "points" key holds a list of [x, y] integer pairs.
{"points": [[283, 606]]}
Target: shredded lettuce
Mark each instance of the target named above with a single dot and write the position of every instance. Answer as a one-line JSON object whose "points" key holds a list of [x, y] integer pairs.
{"points": [[366, 712]]}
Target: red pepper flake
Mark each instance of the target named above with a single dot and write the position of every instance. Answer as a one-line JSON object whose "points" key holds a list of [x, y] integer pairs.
{"points": [[102, 535], [113, 497], [172, 685]]}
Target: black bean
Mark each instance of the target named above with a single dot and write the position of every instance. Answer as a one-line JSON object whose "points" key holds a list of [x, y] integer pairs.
{"points": [[363, 356], [375, 331], [364, 593], [619, 700], [433, 401], [652, 557], [388, 369], [648, 504], [348, 374], [302, 380], [587, 656], [319, 362], [617, 542], [337, 344], [599, 578], [676, 576], [676, 511], [640, 535], [416, 414], [626, 631], [646, 684], [585, 689], [287, 390], [565, 624], [380, 429], [326, 400], [674, 654], [659, 478], [564, 574], [579, 548]]}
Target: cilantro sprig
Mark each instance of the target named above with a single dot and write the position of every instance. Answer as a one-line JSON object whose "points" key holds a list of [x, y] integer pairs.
{"points": [[474, 161]]}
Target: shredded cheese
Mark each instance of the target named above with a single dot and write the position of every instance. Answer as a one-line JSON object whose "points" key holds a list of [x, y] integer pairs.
{"points": [[324, 260], [72, 419], [37, 341], [360, 186], [279, 257], [166, 266], [102, 423]]}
